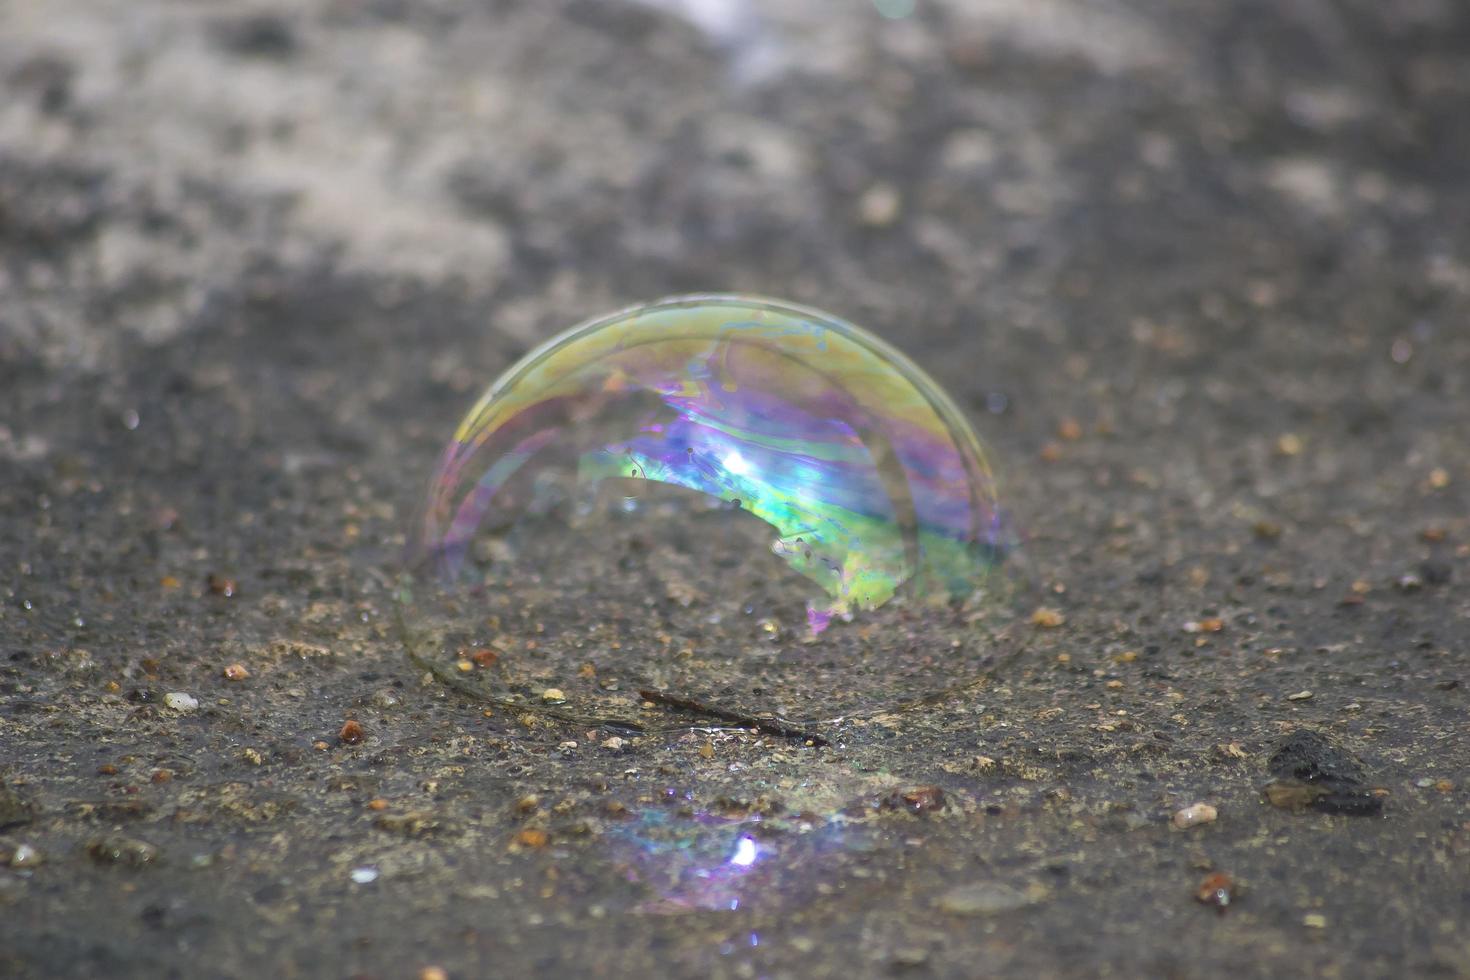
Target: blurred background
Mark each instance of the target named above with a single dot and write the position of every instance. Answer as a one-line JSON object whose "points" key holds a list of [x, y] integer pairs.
{"points": [[335, 221], [418, 190]]}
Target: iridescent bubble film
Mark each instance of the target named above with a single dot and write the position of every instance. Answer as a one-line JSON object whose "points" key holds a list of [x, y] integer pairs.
{"points": [[712, 429]]}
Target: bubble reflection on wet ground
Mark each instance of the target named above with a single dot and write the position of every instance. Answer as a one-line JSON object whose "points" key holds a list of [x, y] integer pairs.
{"points": [[723, 857]]}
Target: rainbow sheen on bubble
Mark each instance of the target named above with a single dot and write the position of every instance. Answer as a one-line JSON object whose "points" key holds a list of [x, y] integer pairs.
{"points": [[867, 474]]}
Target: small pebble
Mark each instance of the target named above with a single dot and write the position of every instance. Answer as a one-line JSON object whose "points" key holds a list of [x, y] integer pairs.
{"points": [[364, 875], [1216, 889], [126, 851], [915, 799], [910, 956], [879, 206], [1410, 582], [1193, 816], [987, 898], [1047, 618], [25, 856], [1212, 624], [614, 744], [411, 823], [351, 733], [433, 973], [386, 697], [1300, 696], [179, 701], [18, 856], [1266, 530], [220, 585], [553, 694], [1293, 794], [531, 837], [1314, 920], [236, 672]]}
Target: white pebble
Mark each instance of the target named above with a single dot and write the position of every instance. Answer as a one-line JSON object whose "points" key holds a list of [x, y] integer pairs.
{"points": [[364, 876], [179, 701]]}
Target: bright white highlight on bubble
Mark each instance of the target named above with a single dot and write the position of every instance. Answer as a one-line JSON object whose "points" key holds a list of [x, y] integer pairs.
{"points": [[736, 464], [745, 853]]}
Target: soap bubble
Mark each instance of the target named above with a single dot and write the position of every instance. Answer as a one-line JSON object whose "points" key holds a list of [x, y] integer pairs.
{"points": [[623, 481]]}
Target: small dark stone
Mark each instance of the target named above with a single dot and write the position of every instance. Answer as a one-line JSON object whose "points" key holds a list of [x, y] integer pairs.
{"points": [[628, 24], [1436, 571], [14, 811], [50, 79], [1311, 770], [1312, 757], [269, 894], [257, 36]]}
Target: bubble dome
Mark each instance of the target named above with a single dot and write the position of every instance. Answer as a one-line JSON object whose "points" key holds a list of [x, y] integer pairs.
{"points": [[720, 427]]}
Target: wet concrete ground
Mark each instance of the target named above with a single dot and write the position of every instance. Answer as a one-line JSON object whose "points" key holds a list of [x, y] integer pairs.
{"points": [[1198, 273]]}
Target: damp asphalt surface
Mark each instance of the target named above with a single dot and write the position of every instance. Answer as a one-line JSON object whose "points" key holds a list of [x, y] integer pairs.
{"points": [[1199, 273]]}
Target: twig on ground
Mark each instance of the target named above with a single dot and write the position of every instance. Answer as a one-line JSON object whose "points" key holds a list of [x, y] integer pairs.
{"points": [[766, 726]]}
